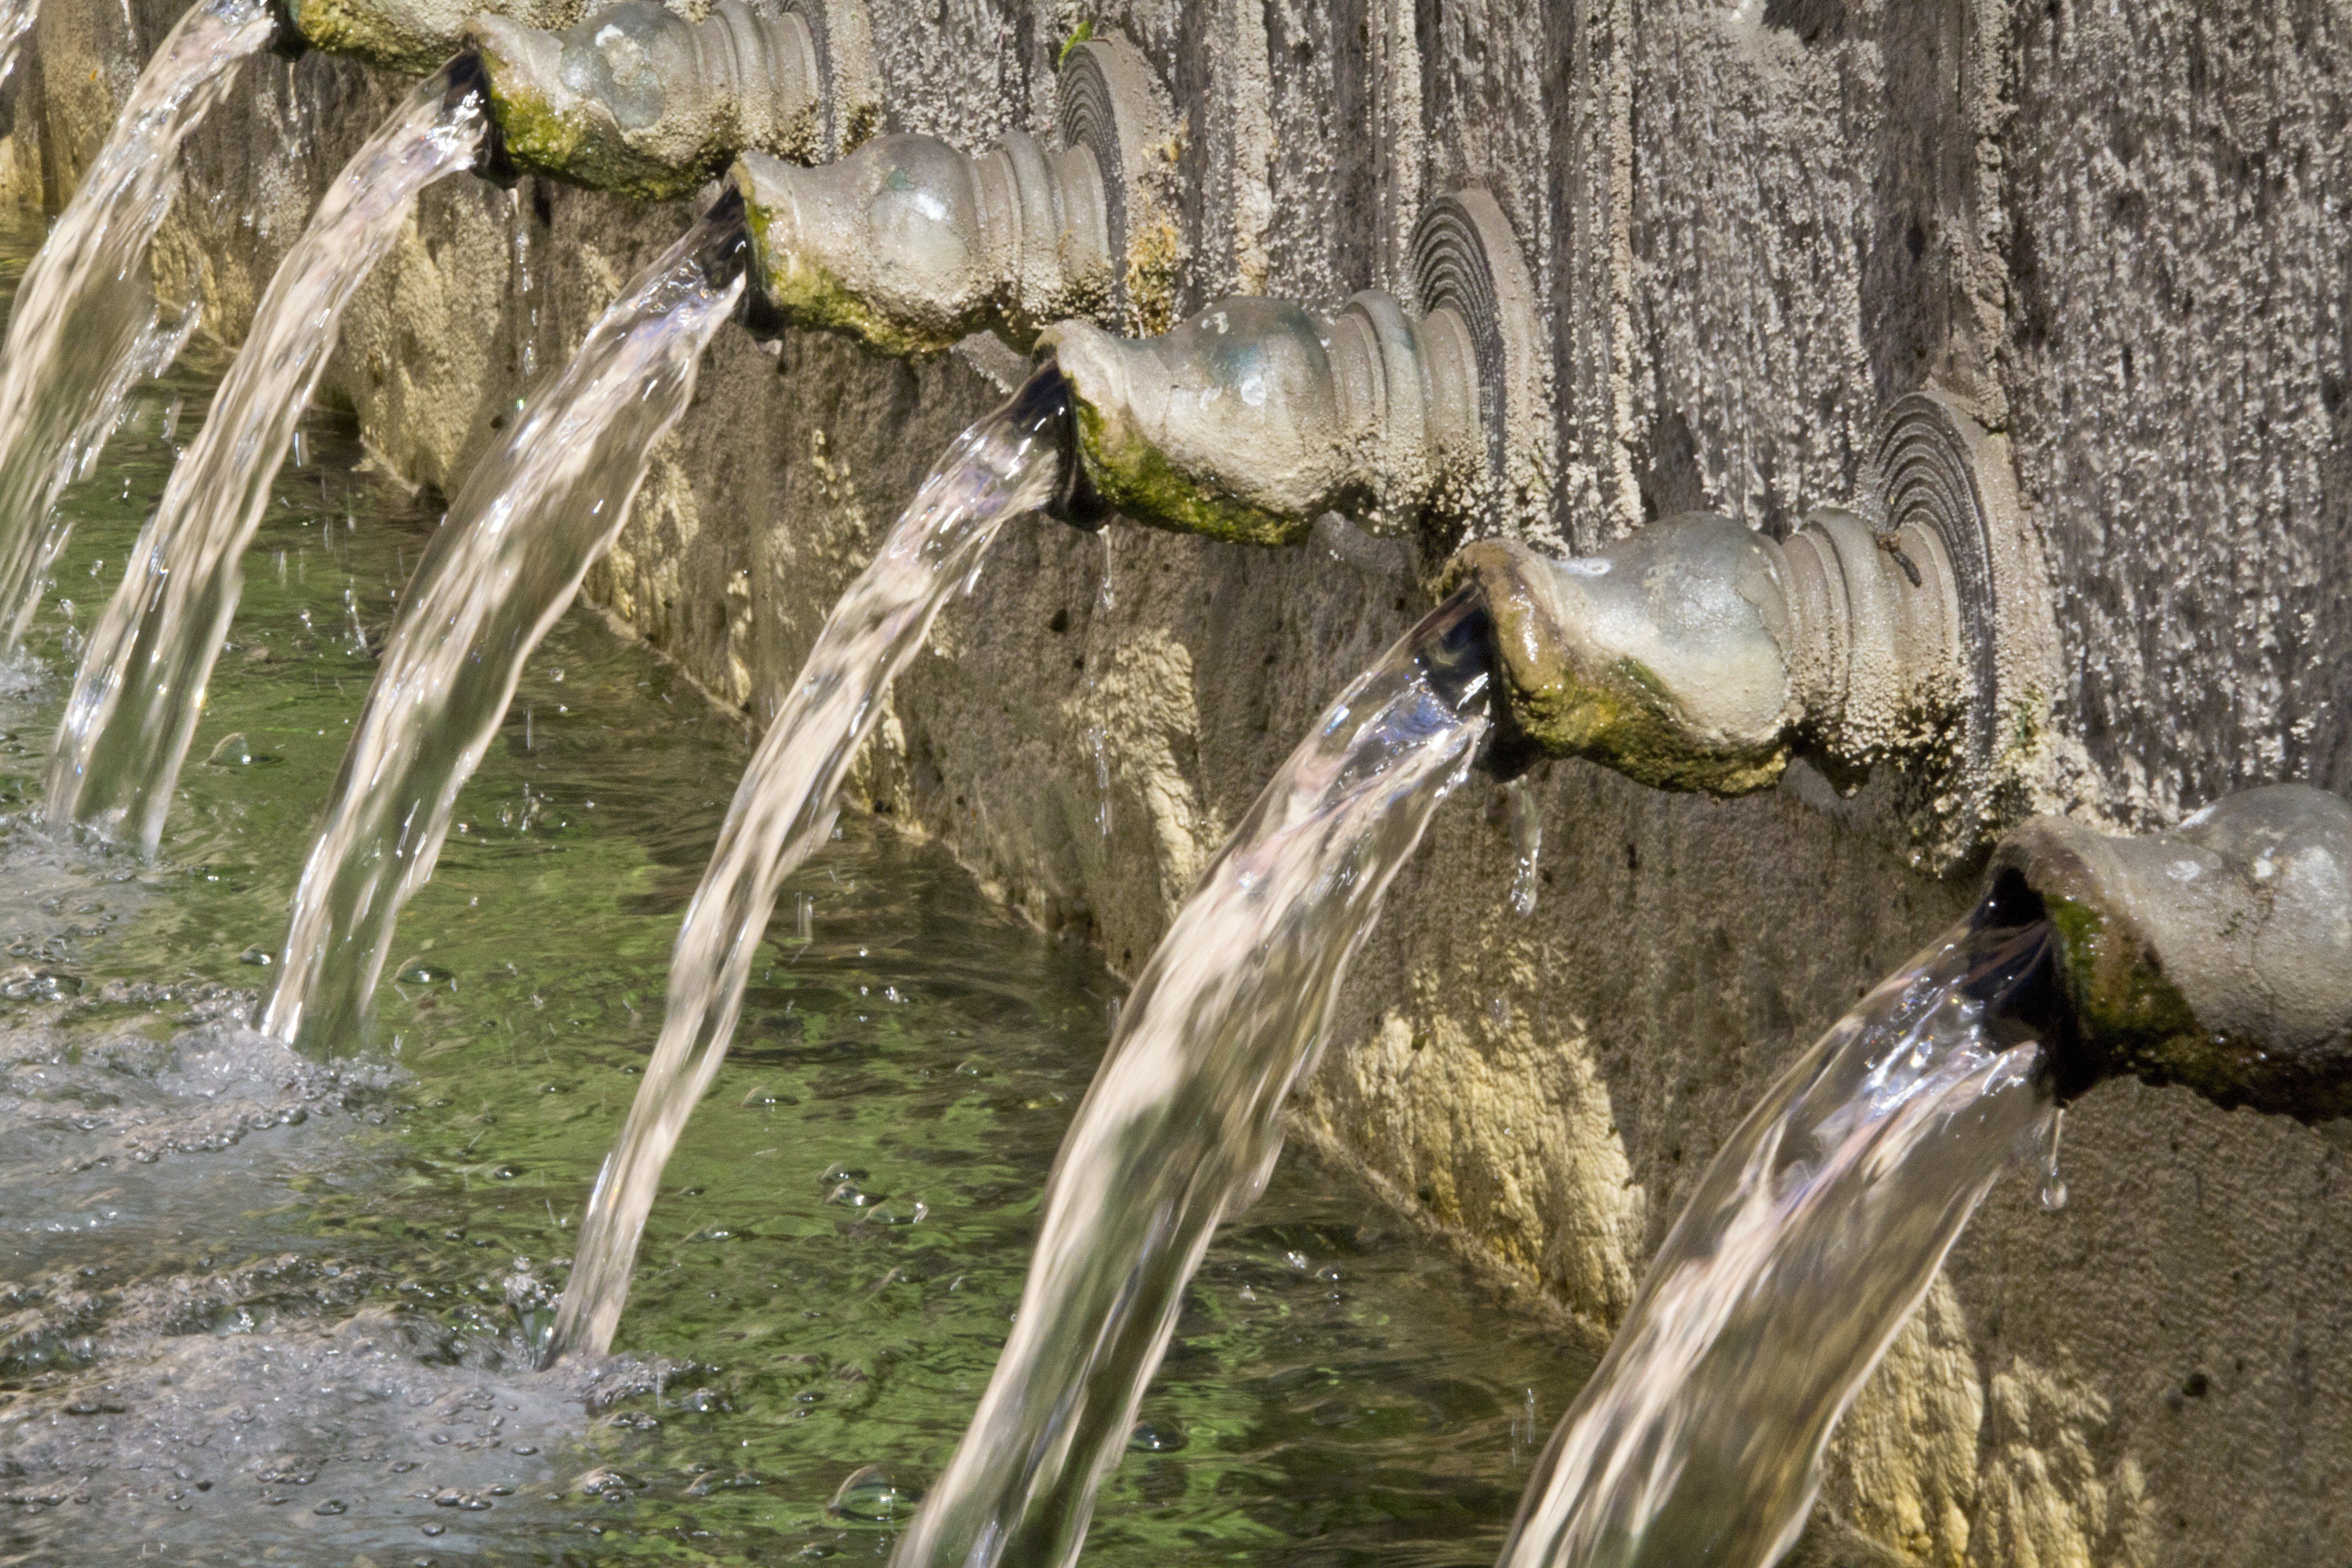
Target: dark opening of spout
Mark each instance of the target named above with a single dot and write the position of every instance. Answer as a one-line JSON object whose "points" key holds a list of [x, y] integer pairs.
{"points": [[1454, 645], [1474, 647], [2016, 972], [286, 42], [1047, 402], [725, 253], [466, 75]]}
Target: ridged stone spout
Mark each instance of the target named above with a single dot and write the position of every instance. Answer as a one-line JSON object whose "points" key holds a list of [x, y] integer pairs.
{"points": [[1253, 418], [910, 245], [1696, 654], [2217, 956], [1670, 659], [1910, 627], [636, 99]]}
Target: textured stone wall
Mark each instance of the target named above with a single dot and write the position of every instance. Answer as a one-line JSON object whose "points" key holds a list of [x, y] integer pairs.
{"points": [[2119, 230]]}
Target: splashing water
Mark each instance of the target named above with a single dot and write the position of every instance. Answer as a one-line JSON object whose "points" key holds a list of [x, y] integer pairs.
{"points": [[526, 528], [1810, 1240], [1184, 1123], [86, 329], [140, 688], [1010, 462]]}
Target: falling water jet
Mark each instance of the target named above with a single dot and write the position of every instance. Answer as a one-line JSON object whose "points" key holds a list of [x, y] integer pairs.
{"points": [[1815, 1232], [2217, 957], [85, 327], [1012, 461], [1184, 1123], [506, 563], [140, 688], [17, 19]]}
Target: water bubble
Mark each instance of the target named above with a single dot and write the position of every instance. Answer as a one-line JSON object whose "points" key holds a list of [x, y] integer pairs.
{"points": [[1151, 1438], [234, 751], [873, 1496]]}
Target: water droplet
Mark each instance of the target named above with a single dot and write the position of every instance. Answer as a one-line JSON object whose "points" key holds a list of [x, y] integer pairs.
{"points": [[2054, 1186], [330, 1508], [1149, 1438], [234, 751], [874, 1496]]}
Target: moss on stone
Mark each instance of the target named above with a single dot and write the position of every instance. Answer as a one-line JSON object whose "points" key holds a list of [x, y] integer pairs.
{"points": [[537, 135], [341, 27], [1155, 265], [572, 144], [1625, 719], [1135, 478], [810, 296], [2135, 1017]]}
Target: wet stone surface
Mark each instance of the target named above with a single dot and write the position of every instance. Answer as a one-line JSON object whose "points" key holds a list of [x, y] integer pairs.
{"points": [[257, 1307]]}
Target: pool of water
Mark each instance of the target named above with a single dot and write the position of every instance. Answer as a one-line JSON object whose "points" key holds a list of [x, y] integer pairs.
{"points": [[256, 1309]]}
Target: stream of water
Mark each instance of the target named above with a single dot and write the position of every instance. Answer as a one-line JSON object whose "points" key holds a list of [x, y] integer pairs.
{"points": [[141, 687], [257, 1310], [1809, 1243], [532, 519], [1183, 1126], [88, 328], [1009, 463], [17, 19]]}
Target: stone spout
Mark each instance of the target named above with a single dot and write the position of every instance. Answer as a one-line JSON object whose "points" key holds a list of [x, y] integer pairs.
{"points": [[1698, 653], [412, 34], [910, 245], [2217, 956], [638, 101], [1252, 419], [1910, 627]]}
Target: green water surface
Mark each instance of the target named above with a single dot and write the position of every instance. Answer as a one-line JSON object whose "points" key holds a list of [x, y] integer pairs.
{"points": [[830, 1271]]}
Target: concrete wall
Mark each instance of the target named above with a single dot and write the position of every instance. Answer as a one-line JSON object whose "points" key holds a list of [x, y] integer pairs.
{"points": [[2120, 230]]}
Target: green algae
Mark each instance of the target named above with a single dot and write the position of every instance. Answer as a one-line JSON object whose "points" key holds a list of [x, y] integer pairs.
{"points": [[1136, 479]]}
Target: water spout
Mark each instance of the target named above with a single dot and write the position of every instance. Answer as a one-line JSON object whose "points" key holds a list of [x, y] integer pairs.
{"points": [[638, 99], [507, 561], [1257, 416], [141, 687], [910, 245], [2217, 956], [1913, 628]]}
